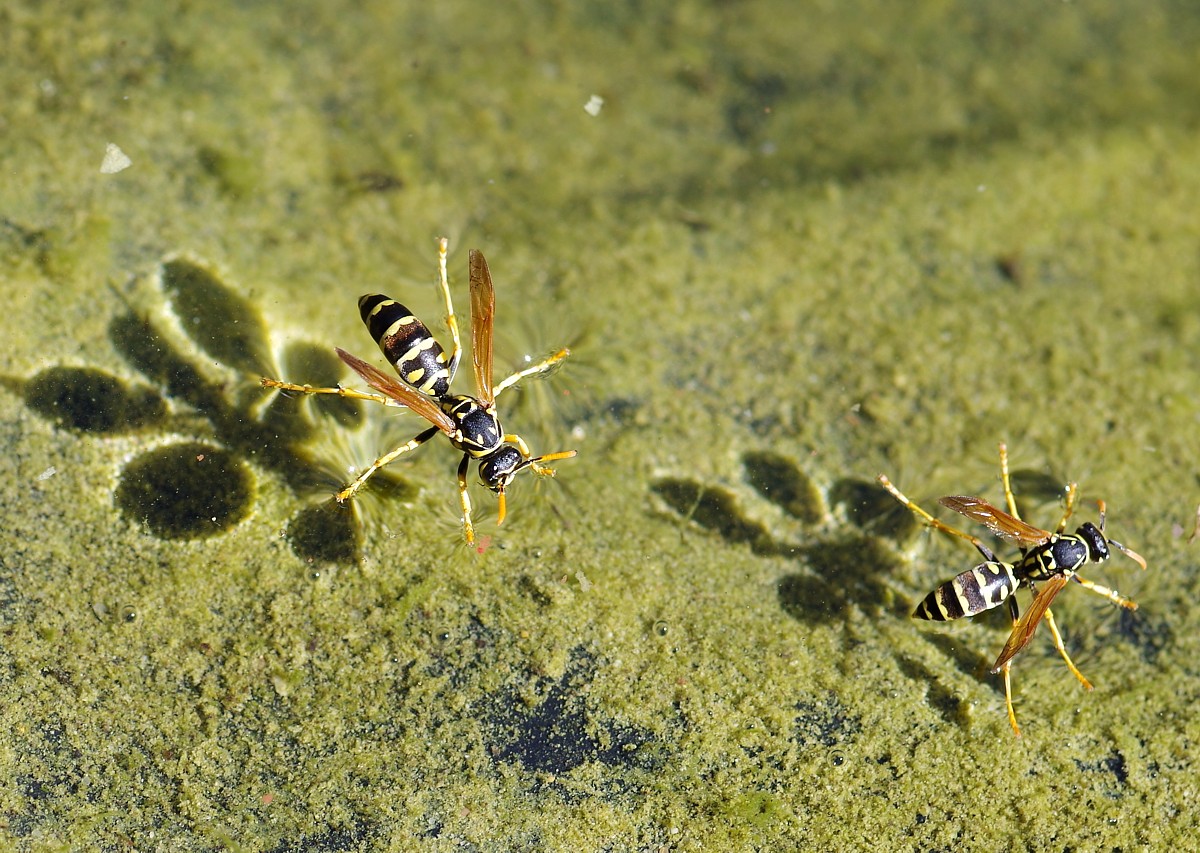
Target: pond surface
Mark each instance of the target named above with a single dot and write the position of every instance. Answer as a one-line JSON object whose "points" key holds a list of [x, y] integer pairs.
{"points": [[789, 251]]}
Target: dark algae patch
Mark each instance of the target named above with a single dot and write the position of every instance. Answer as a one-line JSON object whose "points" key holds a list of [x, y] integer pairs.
{"points": [[564, 730]]}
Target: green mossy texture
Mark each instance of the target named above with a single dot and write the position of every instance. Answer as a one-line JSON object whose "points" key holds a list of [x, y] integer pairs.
{"points": [[797, 246]]}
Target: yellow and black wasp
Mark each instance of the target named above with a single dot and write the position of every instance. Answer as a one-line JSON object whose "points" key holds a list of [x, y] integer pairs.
{"points": [[470, 423], [1048, 561]]}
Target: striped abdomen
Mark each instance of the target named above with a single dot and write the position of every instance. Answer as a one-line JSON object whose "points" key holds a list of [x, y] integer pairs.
{"points": [[407, 344], [974, 591]]}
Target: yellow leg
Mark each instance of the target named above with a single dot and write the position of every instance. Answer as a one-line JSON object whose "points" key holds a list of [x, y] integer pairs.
{"points": [[465, 499], [1007, 670], [549, 457], [386, 459], [1062, 650], [1011, 500], [1008, 492], [1111, 594], [513, 438], [930, 520], [451, 319], [1012, 715], [349, 393], [1072, 491], [540, 367]]}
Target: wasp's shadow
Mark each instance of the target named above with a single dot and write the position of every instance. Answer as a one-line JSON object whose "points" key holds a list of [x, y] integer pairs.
{"points": [[199, 378], [846, 565]]}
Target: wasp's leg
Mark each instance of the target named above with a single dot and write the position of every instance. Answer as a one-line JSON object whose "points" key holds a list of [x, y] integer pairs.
{"points": [[1007, 483], [464, 498], [349, 393], [386, 459], [1062, 650], [1014, 611], [1011, 500], [540, 367], [513, 438], [1111, 594], [549, 457], [1072, 491], [451, 319], [933, 522], [1008, 703]]}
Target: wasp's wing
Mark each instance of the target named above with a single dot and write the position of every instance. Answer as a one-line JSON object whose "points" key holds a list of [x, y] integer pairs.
{"points": [[398, 391], [1024, 630], [996, 520], [483, 314]]}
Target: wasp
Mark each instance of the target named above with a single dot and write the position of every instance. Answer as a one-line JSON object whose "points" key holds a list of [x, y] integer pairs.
{"points": [[1049, 560], [425, 373]]}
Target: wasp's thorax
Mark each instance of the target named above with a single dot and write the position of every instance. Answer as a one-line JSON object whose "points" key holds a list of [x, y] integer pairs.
{"points": [[479, 432], [1065, 552]]}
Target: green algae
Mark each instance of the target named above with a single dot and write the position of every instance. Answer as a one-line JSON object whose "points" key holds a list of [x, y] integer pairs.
{"points": [[781, 272]]}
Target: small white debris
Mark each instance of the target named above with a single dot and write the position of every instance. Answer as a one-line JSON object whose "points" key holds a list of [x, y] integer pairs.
{"points": [[592, 107], [47, 474], [115, 160], [584, 583]]}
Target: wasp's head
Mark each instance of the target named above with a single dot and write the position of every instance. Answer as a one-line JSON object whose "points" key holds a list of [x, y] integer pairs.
{"points": [[1097, 545], [497, 469]]}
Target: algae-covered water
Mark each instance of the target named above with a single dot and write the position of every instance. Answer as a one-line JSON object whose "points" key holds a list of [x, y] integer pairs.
{"points": [[790, 247]]}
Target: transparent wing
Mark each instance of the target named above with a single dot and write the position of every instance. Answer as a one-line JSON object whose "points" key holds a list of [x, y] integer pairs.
{"points": [[398, 391], [996, 520], [483, 314], [1026, 626]]}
